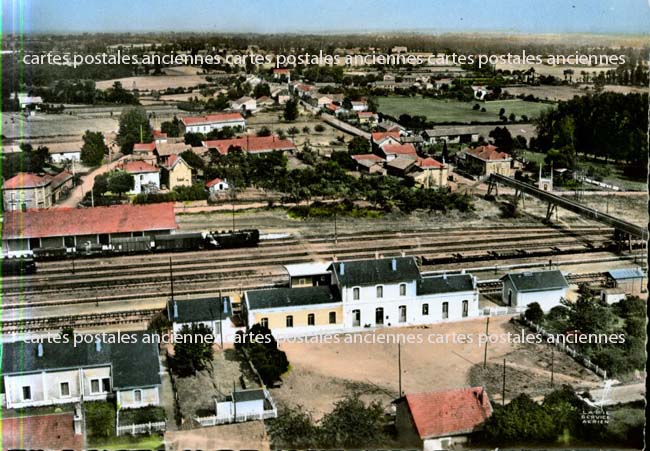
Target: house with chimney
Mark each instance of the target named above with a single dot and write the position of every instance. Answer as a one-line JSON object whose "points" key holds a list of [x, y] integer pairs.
{"points": [[485, 160], [112, 366], [440, 420], [26, 190], [214, 312], [372, 293]]}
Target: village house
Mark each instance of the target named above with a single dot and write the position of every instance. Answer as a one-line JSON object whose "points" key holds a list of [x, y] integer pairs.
{"points": [[281, 73], [251, 144], [159, 137], [486, 160], [370, 163], [176, 172], [430, 173], [450, 135], [367, 117], [58, 228], [145, 152], [145, 176], [48, 373], [217, 185], [164, 151], [547, 288], [65, 151], [442, 419], [215, 315], [359, 105], [265, 101], [379, 292], [390, 126], [26, 190], [282, 96], [244, 105], [206, 124], [380, 139], [400, 166]]}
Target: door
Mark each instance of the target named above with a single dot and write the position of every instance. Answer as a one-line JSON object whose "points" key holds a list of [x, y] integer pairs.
{"points": [[509, 298], [379, 316], [402, 313], [356, 318]]}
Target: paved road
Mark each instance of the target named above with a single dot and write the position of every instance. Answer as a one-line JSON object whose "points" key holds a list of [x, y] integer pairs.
{"points": [[78, 192]]}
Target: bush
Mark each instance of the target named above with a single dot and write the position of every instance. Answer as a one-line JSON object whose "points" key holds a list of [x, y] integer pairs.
{"points": [[263, 353], [534, 313], [100, 419], [149, 414], [179, 194]]}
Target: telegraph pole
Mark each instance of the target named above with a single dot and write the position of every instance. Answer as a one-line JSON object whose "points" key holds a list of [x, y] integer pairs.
{"points": [[336, 237], [399, 367], [503, 388], [487, 328], [171, 278], [221, 318], [552, 365]]}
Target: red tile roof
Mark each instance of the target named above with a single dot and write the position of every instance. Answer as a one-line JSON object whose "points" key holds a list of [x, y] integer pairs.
{"points": [[41, 432], [144, 147], [333, 107], [159, 134], [280, 70], [251, 144], [379, 136], [137, 167], [400, 149], [88, 221], [212, 118], [488, 153], [368, 156], [25, 180], [366, 113], [213, 182], [449, 412], [429, 163]]}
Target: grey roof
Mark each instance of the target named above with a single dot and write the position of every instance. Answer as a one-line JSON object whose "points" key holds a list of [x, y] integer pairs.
{"points": [[376, 271], [135, 364], [401, 163], [248, 395], [626, 273], [292, 297], [537, 281], [449, 284], [450, 131], [206, 309]]}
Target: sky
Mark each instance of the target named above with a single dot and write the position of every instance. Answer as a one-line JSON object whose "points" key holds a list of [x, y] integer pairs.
{"points": [[299, 16]]}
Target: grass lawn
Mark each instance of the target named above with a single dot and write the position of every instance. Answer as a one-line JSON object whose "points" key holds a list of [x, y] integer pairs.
{"points": [[444, 110], [150, 442]]}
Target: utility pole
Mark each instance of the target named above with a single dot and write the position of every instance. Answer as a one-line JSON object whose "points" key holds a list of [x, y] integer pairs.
{"points": [[336, 237], [221, 318], [487, 328], [552, 366], [503, 388], [399, 367], [171, 278]]}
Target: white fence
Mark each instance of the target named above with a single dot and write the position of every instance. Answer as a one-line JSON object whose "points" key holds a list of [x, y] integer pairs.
{"points": [[215, 421], [144, 428], [497, 311]]}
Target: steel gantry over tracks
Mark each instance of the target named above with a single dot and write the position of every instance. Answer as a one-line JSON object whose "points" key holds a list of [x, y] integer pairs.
{"points": [[623, 228]]}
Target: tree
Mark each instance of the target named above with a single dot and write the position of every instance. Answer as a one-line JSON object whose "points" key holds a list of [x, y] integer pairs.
{"points": [[120, 182], [259, 345], [100, 185], [319, 128], [291, 110], [94, 148], [534, 313], [264, 131], [293, 131], [306, 130], [353, 424], [171, 128], [502, 138], [194, 139], [358, 146], [193, 160], [193, 353], [261, 90], [521, 421], [293, 428], [134, 128]]}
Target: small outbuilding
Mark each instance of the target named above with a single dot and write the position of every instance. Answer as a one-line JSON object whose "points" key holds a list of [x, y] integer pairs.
{"points": [[546, 288]]}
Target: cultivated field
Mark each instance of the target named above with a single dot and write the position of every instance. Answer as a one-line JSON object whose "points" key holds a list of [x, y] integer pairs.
{"points": [[557, 93], [155, 82], [454, 111], [17, 126], [556, 71], [323, 373]]}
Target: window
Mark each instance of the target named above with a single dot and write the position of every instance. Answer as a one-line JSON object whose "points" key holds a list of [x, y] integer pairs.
{"points": [[380, 292], [425, 309], [311, 319], [106, 385], [332, 317], [445, 310], [137, 395], [402, 313], [465, 308], [64, 388], [379, 316], [68, 241], [264, 322], [289, 321], [356, 318], [27, 393], [402, 289], [355, 294], [94, 386]]}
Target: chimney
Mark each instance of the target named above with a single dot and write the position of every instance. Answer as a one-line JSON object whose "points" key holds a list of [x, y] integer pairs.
{"points": [[444, 275], [342, 268], [376, 255], [98, 345], [175, 310], [225, 304], [462, 271], [40, 350], [393, 264]]}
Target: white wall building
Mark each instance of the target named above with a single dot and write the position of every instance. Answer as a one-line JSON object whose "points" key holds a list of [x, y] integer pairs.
{"points": [[217, 316], [206, 124], [546, 288], [146, 177]]}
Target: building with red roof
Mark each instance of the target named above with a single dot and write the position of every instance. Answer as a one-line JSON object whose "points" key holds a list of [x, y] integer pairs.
{"points": [[55, 431], [370, 163], [217, 185], [205, 124], [380, 139], [176, 172], [390, 151], [73, 227], [486, 160], [441, 419], [27, 190], [251, 144], [146, 177]]}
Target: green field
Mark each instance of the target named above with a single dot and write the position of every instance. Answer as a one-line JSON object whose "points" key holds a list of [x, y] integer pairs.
{"points": [[438, 110]]}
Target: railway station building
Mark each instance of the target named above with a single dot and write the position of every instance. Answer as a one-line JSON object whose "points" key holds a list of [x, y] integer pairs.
{"points": [[361, 294], [71, 227], [48, 373]]}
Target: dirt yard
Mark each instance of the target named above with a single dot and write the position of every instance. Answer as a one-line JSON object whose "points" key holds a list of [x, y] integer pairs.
{"points": [[323, 373], [249, 435]]}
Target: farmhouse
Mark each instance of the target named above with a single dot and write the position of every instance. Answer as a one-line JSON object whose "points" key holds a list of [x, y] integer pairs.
{"points": [[244, 104], [146, 177], [176, 172], [39, 374], [430, 173], [214, 313], [390, 151], [205, 124], [370, 163], [486, 160], [27, 190], [251, 144], [546, 288], [450, 135], [442, 419], [363, 293], [380, 139], [69, 227], [62, 152], [367, 117]]}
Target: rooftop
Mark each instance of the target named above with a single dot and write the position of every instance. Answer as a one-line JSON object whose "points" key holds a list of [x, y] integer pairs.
{"points": [[380, 136], [212, 119], [449, 412], [537, 280], [488, 153], [626, 273], [307, 269], [144, 147], [166, 149], [55, 431], [251, 144], [292, 297], [400, 149], [445, 284], [88, 221], [376, 271], [206, 309], [138, 166]]}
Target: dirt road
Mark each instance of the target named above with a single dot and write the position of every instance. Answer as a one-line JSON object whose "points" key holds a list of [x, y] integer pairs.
{"points": [[86, 185]]}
